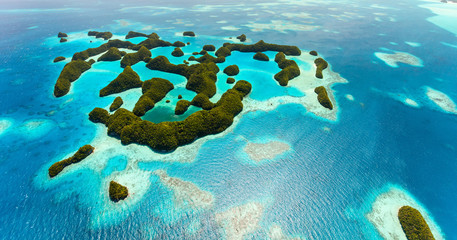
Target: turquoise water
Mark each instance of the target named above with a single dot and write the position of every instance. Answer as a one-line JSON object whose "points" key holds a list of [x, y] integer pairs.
{"points": [[320, 189]]}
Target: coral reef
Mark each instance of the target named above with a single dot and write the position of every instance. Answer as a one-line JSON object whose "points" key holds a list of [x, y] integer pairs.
{"points": [[322, 97], [117, 192], [413, 224], [128, 79], [81, 154], [117, 103]]}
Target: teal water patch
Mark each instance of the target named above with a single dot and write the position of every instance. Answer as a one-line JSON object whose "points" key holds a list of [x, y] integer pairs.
{"points": [[117, 163]]}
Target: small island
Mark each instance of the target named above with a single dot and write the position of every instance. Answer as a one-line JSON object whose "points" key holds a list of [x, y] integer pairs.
{"points": [[209, 48], [413, 224], [232, 70], [58, 59], [323, 98], [289, 70], [230, 80], [117, 103], [62, 35], [117, 192], [113, 54], [242, 38], [80, 155], [321, 64], [177, 52], [188, 34], [261, 57], [104, 35]]}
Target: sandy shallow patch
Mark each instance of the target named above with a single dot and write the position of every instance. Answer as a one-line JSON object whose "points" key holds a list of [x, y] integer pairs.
{"points": [[441, 100], [399, 57], [241, 220], [186, 193], [4, 125], [276, 233], [259, 152]]}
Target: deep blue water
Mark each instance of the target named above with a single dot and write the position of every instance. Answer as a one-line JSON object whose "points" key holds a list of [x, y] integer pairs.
{"points": [[308, 191]]}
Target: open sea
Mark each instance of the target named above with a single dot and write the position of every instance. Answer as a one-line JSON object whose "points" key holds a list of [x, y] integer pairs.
{"points": [[321, 188]]}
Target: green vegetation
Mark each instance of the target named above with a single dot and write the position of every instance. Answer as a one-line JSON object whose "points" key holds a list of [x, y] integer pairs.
{"points": [[230, 80], [113, 54], [188, 34], [201, 78], [63, 40], [58, 59], [321, 64], [133, 34], [223, 52], [62, 35], [151, 43], [161, 63], [81, 154], [101, 49], [179, 96], [104, 35], [179, 44], [182, 106], [70, 73], [128, 79], [117, 192], [261, 57], [131, 59], [413, 224], [202, 101], [322, 97], [99, 115], [289, 70], [206, 58], [203, 52], [242, 38], [232, 70], [209, 48], [314, 53], [261, 46], [117, 103], [154, 90], [177, 52]]}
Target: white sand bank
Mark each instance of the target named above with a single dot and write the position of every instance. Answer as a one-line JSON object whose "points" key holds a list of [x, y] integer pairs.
{"points": [[263, 151], [441, 100], [241, 220], [399, 57]]}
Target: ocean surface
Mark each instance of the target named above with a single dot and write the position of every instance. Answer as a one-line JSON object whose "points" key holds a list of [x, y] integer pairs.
{"points": [[321, 188]]}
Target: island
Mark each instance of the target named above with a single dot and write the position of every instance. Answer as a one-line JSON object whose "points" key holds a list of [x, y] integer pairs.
{"points": [[321, 64], [322, 97], [62, 35], [80, 155], [117, 192], [289, 69], [188, 34], [117, 103], [113, 54], [62, 40], [128, 79], [153, 90], [313, 53], [261, 57], [413, 224], [58, 59], [209, 48], [230, 80], [70, 73], [242, 38], [177, 52], [130, 59], [232, 70], [104, 35]]}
